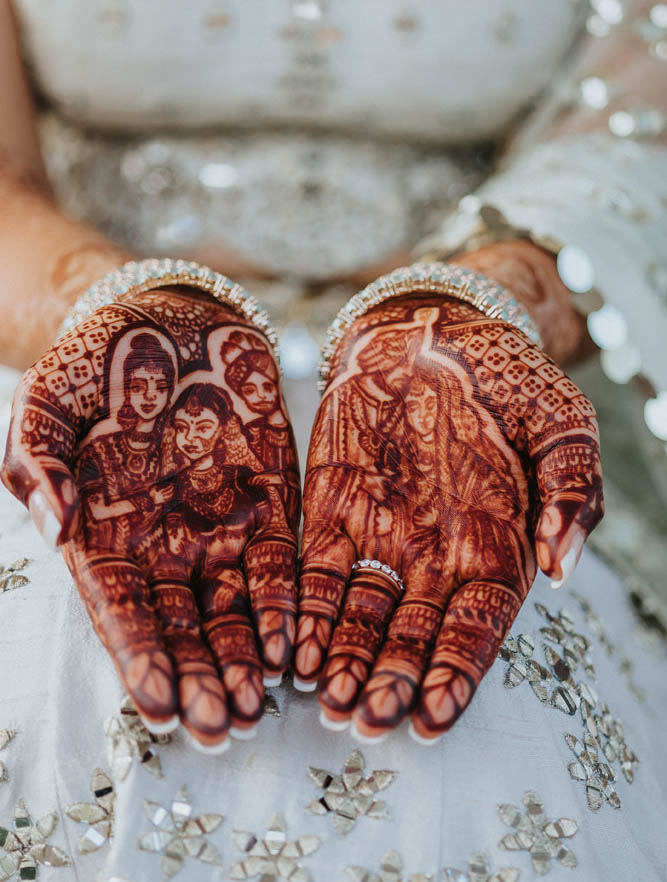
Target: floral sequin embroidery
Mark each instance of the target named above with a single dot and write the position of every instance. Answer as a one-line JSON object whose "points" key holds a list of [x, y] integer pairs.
{"points": [[99, 815], [273, 856], [26, 847], [538, 834], [349, 794], [177, 835], [601, 730], [12, 576], [391, 870], [128, 739]]}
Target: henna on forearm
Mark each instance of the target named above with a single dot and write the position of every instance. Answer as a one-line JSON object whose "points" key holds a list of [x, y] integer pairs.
{"points": [[451, 449], [531, 274]]}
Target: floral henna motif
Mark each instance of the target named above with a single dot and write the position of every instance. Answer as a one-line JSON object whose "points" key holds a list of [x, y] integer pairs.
{"points": [[450, 448], [156, 439]]}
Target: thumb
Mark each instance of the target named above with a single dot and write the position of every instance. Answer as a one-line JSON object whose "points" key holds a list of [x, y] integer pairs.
{"points": [[563, 526], [36, 469]]}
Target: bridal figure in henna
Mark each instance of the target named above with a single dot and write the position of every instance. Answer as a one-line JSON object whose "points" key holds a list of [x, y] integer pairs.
{"points": [[219, 507], [214, 489], [194, 619], [449, 447]]}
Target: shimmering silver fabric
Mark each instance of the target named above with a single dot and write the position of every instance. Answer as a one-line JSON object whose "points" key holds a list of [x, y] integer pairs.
{"points": [[300, 206]]}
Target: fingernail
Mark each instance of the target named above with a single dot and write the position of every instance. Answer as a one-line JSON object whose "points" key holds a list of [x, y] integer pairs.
{"points": [[161, 728], [333, 725], [243, 734], [303, 686], [272, 681], [45, 520], [425, 742], [208, 749], [366, 739], [569, 561]]}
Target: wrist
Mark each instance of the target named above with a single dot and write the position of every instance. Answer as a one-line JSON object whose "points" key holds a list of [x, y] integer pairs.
{"points": [[531, 275], [46, 262]]}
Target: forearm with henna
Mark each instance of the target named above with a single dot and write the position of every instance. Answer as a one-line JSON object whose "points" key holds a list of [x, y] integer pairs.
{"points": [[531, 275]]}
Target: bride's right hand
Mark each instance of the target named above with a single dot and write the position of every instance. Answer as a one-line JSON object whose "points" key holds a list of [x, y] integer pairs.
{"points": [[134, 441]]}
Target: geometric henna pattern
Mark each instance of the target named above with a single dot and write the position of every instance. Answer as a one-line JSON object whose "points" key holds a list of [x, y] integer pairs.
{"points": [[157, 433], [449, 447]]}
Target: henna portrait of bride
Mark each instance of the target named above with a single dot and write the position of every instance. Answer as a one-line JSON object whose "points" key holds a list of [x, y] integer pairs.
{"points": [[179, 505], [449, 458]]}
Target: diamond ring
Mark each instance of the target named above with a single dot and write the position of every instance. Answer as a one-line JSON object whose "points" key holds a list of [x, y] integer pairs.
{"points": [[367, 564]]}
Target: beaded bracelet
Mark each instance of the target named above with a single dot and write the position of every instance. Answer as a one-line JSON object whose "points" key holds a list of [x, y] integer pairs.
{"points": [[136, 277], [436, 278]]}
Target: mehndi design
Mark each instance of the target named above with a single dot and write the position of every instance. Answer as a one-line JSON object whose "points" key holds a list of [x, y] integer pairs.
{"points": [[453, 450], [158, 439]]}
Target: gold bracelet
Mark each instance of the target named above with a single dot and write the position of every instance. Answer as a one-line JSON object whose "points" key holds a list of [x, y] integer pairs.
{"points": [[135, 277], [437, 278]]}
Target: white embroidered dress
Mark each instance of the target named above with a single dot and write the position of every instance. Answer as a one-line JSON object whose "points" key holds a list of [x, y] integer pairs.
{"points": [[214, 118]]}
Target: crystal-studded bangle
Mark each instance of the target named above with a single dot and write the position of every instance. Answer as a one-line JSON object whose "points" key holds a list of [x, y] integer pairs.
{"points": [[135, 277], [434, 278], [481, 225]]}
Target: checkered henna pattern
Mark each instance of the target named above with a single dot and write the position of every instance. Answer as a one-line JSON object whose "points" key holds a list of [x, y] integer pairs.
{"points": [[156, 438], [450, 448]]}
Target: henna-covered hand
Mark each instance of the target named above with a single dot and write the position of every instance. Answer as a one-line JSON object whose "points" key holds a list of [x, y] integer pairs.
{"points": [[153, 441], [450, 448]]}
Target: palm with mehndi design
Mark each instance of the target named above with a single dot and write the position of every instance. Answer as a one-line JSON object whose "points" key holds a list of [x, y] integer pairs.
{"points": [[154, 440], [450, 448]]}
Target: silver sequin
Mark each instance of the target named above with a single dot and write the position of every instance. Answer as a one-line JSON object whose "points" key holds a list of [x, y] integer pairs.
{"points": [[12, 576], [350, 794], [177, 835], [478, 871], [273, 857], [601, 731], [128, 740], [538, 834], [26, 846], [391, 870], [99, 815], [6, 735]]}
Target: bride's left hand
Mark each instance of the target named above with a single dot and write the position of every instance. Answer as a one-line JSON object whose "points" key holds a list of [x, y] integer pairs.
{"points": [[450, 448]]}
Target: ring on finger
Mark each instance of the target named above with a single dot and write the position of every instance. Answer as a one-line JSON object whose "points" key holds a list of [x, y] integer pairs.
{"points": [[377, 565]]}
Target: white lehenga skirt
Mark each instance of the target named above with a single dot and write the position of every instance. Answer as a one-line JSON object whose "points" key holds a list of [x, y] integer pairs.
{"points": [[560, 761]]}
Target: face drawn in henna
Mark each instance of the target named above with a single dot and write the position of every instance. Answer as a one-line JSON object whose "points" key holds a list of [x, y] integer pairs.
{"points": [[421, 407], [188, 510], [441, 437], [198, 419]]}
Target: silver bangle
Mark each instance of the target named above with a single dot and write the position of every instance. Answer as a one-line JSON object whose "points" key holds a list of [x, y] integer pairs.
{"points": [[485, 225], [136, 277], [436, 278], [378, 566]]}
